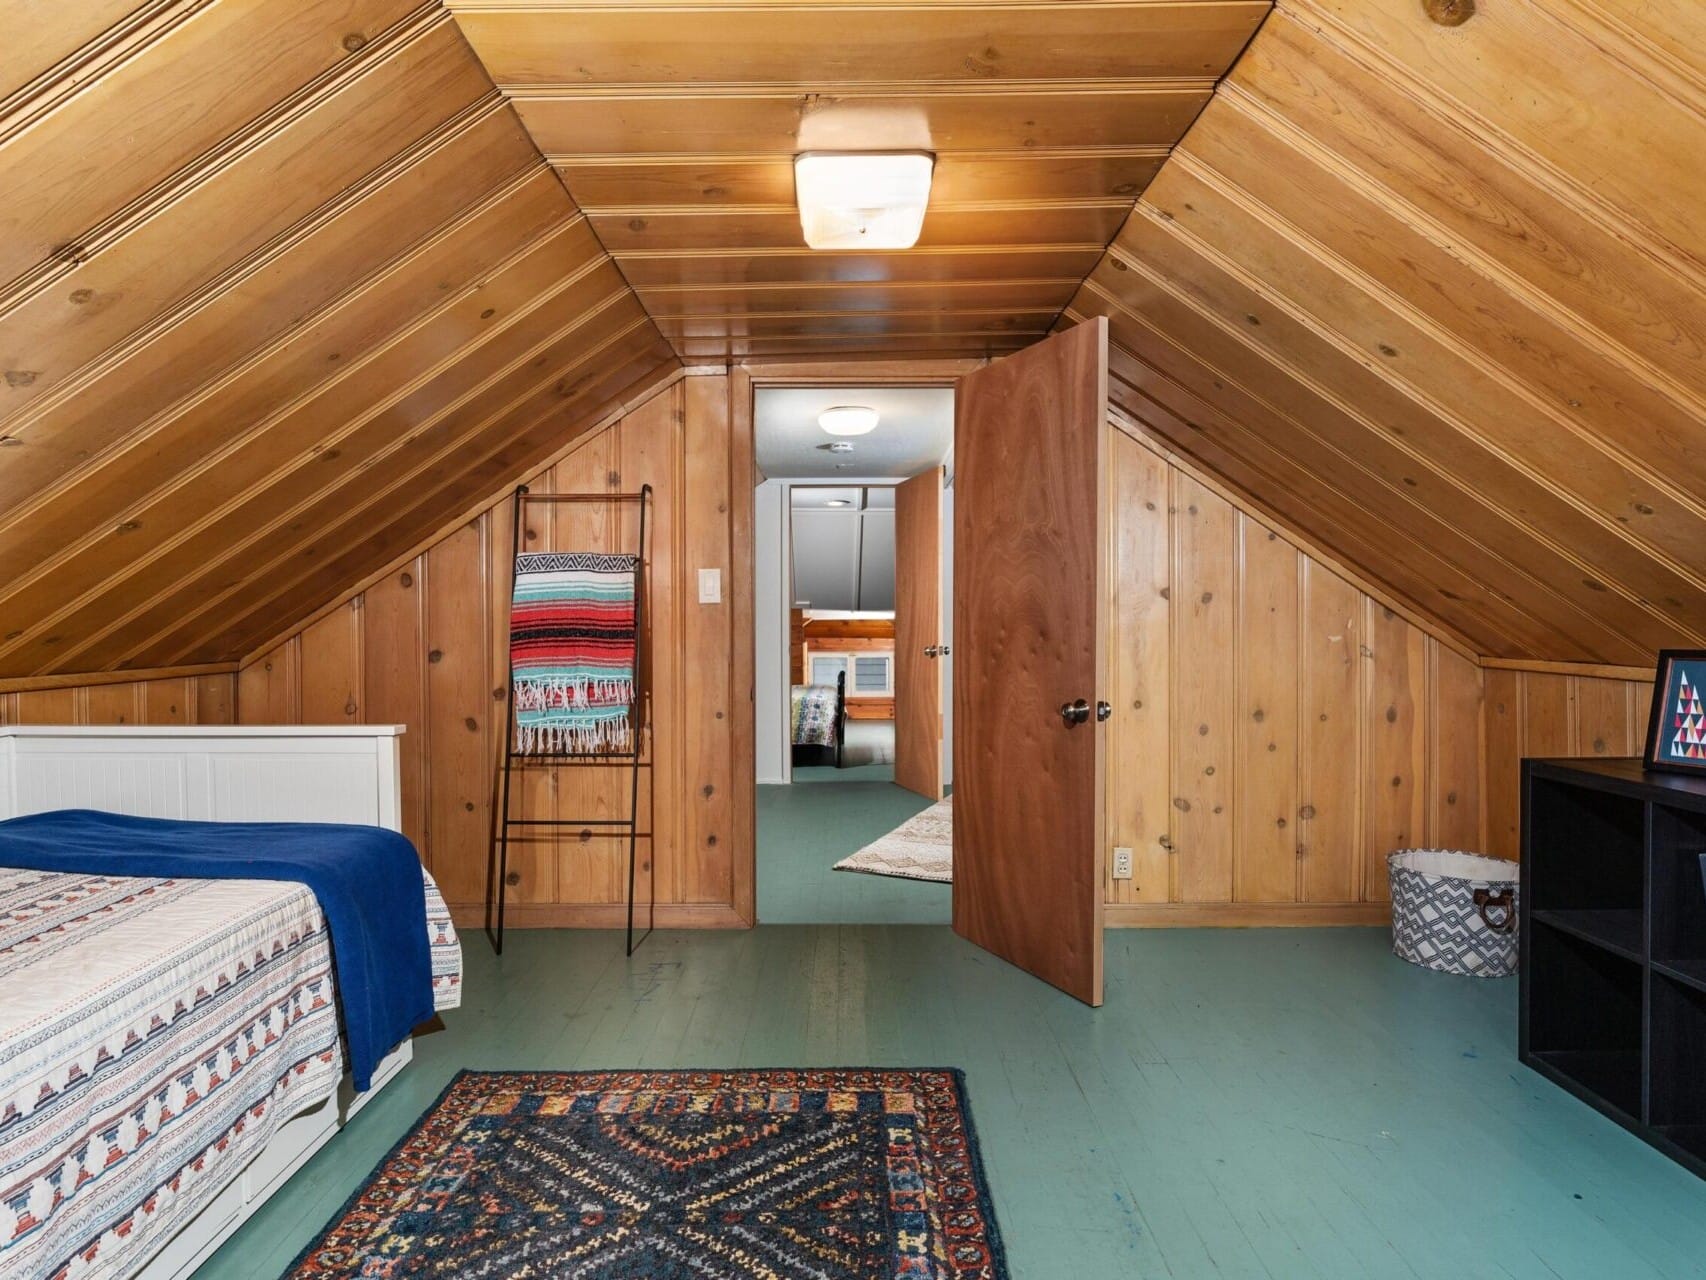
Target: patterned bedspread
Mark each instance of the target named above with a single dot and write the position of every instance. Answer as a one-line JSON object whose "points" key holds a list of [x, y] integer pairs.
{"points": [[814, 715], [153, 1036]]}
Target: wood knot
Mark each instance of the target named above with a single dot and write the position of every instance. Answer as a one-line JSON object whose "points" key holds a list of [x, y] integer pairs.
{"points": [[1306, 812], [407, 580], [435, 655], [471, 724], [513, 879], [1181, 804], [1449, 13], [354, 41]]}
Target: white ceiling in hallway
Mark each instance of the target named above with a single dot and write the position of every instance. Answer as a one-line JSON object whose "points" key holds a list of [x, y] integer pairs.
{"points": [[915, 431]]}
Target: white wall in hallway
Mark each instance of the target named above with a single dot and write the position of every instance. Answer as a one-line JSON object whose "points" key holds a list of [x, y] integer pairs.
{"points": [[770, 625]]}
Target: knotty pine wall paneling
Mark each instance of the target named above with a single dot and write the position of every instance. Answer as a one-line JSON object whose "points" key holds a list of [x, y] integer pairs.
{"points": [[424, 645], [1277, 728], [1553, 713], [186, 699]]}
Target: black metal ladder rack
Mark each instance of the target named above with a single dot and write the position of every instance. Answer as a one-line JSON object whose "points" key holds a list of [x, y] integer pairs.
{"points": [[497, 866]]}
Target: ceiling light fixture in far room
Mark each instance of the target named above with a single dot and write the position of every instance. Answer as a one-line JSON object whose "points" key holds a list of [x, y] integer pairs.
{"points": [[862, 200], [848, 420]]}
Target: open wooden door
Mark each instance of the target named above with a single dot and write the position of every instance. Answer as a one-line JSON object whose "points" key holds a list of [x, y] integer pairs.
{"points": [[918, 634], [1030, 663]]}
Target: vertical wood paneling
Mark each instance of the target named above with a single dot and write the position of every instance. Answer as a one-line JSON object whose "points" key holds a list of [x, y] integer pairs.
{"points": [[1504, 749], [394, 682], [649, 444], [1395, 669], [1290, 699], [267, 689], [425, 647], [1266, 867], [168, 701], [707, 874], [1204, 680], [331, 668], [457, 803], [113, 704], [1545, 713], [1602, 718], [1548, 712], [1331, 738], [1139, 808], [1455, 734]]}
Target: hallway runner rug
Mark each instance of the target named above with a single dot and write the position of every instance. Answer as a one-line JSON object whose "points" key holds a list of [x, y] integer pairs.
{"points": [[921, 848], [677, 1175]]}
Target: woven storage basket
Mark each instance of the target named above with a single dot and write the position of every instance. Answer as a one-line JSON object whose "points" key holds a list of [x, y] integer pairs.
{"points": [[1455, 912]]}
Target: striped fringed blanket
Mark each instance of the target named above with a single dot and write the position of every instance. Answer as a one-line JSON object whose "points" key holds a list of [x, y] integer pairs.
{"points": [[572, 647]]}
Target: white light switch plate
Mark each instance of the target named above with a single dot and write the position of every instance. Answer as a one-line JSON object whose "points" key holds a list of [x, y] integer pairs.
{"points": [[1122, 863], [710, 586]]}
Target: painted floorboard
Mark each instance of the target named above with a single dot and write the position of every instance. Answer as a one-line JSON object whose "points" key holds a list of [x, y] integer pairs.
{"points": [[1248, 1104]]}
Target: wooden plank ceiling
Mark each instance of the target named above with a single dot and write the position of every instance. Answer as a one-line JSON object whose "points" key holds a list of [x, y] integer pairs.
{"points": [[674, 126], [1437, 296], [287, 284], [284, 286]]}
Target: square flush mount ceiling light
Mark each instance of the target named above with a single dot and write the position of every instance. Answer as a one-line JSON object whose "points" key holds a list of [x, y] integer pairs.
{"points": [[862, 200]]}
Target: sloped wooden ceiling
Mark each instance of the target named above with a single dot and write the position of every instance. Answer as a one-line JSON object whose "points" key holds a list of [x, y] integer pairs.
{"points": [[1437, 295], [675, 124], [284, 286]]}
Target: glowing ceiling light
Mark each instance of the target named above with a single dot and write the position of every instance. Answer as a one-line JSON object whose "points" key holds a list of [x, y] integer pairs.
{"points": [[862, 200], [848, 419]]}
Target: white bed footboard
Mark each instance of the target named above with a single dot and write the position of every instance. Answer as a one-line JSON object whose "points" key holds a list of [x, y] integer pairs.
{"points": [[223, 773]]}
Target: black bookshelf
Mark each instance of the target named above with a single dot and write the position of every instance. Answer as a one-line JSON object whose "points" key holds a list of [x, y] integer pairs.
{"points": [[1613, 936]]}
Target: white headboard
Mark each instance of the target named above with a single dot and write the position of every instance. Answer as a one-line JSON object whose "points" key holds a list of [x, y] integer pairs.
{"points": [[226, 773]]}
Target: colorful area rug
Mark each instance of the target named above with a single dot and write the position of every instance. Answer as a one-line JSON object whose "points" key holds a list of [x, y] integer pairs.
{"points": [[921, 848], [677, 1175]]}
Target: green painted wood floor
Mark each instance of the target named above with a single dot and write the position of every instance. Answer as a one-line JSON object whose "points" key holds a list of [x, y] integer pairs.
{"points": [[1249, 1103]]}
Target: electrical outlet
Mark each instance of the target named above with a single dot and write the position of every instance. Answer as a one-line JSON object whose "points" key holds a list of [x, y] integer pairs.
{"points": [[710, 586], [1122, 863]]}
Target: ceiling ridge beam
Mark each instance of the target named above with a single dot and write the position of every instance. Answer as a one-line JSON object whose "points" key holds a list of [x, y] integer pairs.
{"points": [[626, 404], [774, 251], [575, 159], [1536, 298], [212, 460], [144, 431], [210, 164], [1400, 499], [1447, 481], [239, 502], [354, 514], [1490, 136], [704, 210], [812, 285], [256, 261], [673, 6], [1450, 419], [253, 537], [541, 91], [815, 315], [1229, 190]]}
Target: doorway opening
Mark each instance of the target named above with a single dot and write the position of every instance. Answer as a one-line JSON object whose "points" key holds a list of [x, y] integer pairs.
{"points": [[853, 574]]}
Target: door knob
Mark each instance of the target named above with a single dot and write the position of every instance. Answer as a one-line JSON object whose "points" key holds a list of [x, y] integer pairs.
{"points": [[1075, 712], [930, 650], [1103, 711]]}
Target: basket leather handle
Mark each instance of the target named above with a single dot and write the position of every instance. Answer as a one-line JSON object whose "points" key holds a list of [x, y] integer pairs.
{"points": [[1486, 900]]}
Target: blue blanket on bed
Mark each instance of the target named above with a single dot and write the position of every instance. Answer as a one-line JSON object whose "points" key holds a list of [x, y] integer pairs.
{"points": [[367, 880]]}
